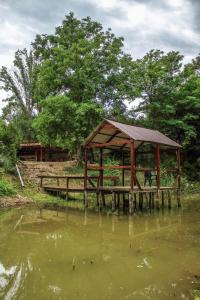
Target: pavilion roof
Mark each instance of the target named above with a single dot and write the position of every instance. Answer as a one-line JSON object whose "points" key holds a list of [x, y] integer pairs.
{"points": [[110, 130]]}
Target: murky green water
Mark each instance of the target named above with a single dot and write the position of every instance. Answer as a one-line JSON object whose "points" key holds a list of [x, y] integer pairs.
{"points": [[76, 255]]}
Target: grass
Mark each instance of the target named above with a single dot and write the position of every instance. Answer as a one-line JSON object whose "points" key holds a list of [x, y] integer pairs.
{"points": [[6, 188]]}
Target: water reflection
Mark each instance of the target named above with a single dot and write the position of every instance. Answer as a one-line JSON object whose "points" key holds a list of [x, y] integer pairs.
{"points": [[84, 255]]}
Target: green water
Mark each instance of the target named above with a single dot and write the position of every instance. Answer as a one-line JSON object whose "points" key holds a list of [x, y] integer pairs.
{"points": [[81, 255]]}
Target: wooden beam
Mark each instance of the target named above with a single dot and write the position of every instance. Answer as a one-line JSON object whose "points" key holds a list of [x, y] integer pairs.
{"points": [[104, 145], [113, 136], [158, 165], [132, 159], [138, 147]]}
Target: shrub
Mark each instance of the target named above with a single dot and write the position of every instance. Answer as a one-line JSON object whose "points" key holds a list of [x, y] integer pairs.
{"points": [[6, 188]]}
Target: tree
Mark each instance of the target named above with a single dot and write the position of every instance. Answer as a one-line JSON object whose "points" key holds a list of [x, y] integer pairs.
{"points": [[171, 101], [65, 123], [20, 83], [157, 76], [9, 142], [84, 63]]}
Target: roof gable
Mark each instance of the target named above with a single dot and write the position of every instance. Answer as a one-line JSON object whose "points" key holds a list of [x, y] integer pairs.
{"points": [[138, 134]]}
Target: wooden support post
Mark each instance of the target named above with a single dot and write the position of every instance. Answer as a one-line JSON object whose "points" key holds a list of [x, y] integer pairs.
{"points": [[132, 158], [35, 155], [178, 197], [85, 177], [153, 200], [169, 199], [101, 165], [123, 177], [163, 199], [135, 202], [97, 195], [58, 182], [123, 199], [150, 200], [178, 177], [158, 175], [113, 201], [103, 198], [85, 168], [85, 199], [118, 200], [67, 187], [130, 202], [41, 181], [141, 198], [41, 154]]}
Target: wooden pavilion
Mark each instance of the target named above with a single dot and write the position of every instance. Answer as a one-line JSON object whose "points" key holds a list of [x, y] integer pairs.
{"points": [[128, 141]]}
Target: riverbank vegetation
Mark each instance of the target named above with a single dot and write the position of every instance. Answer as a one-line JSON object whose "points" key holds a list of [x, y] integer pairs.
{"points": [[69, 80]]}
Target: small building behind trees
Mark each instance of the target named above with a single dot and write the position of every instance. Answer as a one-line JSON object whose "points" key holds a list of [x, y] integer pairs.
{"points": [[34, 151]]}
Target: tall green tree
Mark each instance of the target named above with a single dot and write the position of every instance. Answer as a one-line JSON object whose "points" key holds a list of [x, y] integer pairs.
{"points": [[170, 100], [65, 123], [20, 83], [84, 63]]}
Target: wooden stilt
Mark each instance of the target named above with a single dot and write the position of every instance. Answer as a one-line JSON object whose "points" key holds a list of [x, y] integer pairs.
{"points": [[178, 197], [134, 202], [131, 203], [123, 200], [113, 201], [97, 198], [67, 187], [150, 199], [163, 199], [103, 199], [157, 199], [140, 200], [153, 200], [118, 200], [85, 199], [169, 199]]}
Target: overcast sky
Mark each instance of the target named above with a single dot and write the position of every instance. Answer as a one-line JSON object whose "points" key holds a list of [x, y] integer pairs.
{"points": [[145, 24]]}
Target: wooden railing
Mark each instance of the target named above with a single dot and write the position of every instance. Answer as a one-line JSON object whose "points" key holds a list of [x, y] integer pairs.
{"points": [[68, 178]]}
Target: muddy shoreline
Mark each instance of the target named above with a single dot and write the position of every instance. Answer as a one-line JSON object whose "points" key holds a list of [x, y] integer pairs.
{"points": [[15, 201]]}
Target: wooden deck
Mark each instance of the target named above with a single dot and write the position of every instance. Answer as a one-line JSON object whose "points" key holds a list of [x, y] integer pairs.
{"points": [[135, 196], [107, 189]]}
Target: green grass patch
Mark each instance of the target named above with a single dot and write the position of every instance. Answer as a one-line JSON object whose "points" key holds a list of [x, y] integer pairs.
{"points": [[6, 188]]}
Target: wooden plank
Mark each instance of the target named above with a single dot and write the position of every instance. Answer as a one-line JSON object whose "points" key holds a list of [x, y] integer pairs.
{"points": [[104, 145]]}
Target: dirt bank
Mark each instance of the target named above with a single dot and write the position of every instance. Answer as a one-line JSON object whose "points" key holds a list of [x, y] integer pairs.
{"points": [[15, 201]]}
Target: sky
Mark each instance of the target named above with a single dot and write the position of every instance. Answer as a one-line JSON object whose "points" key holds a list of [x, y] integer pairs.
{"points": [[144, 24]]}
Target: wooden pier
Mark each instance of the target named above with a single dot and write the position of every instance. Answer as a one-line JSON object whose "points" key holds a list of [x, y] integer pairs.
{"points": [[129, 142]]}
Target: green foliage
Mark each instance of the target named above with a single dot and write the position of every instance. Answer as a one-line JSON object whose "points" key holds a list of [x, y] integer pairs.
{"points": [[21, 82], [9, 141], [84, 63], [171, 101], [66, 123], [6, 189]]}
